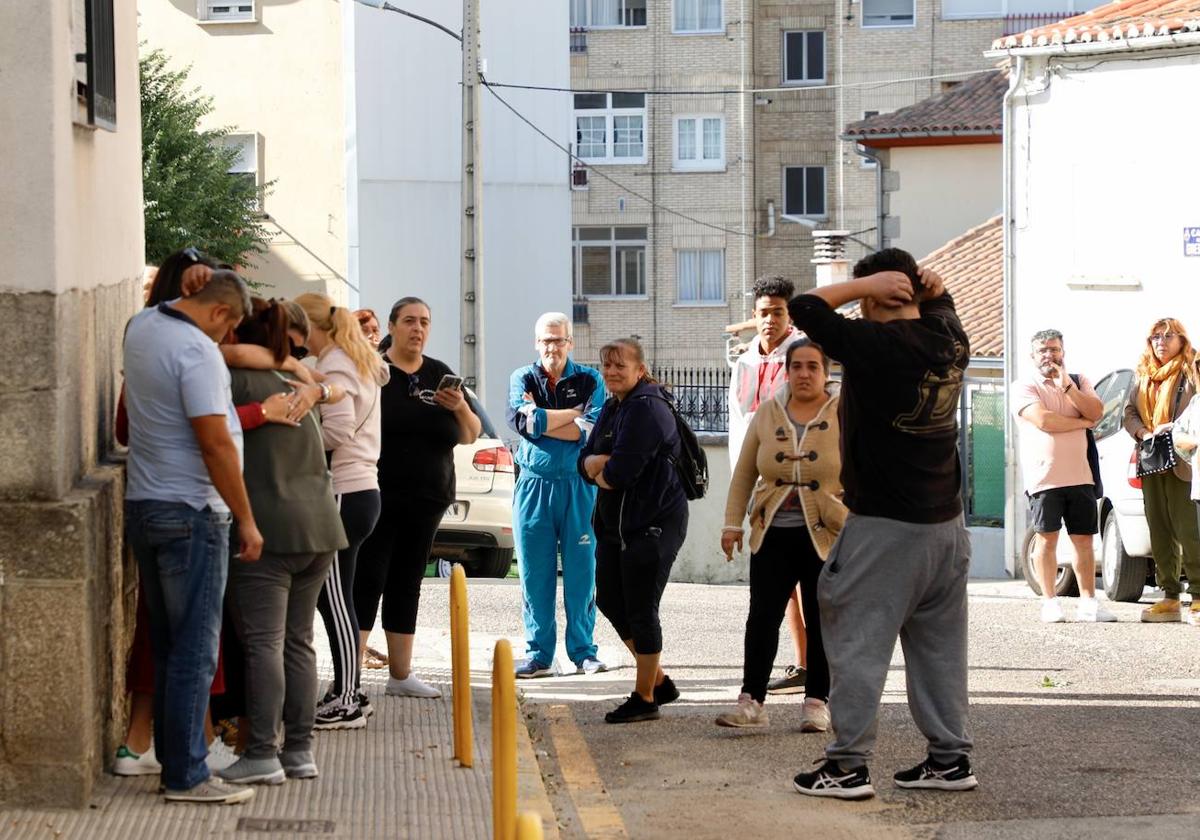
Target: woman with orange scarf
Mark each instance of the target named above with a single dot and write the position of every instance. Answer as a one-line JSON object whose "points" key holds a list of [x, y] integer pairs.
{"points": [[1166, 383]]}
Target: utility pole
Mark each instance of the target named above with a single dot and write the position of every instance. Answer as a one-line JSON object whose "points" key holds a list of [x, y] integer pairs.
{"points": [[471, 273]]}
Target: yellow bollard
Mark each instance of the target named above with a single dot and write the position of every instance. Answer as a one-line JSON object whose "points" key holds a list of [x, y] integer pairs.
{"points": [[460, 659], [504, 743], [529, 826]]}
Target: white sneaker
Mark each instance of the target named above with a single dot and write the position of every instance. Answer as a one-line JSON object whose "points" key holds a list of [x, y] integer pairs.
{"points": [[220, 756], [749, 712], [1091, 610], [410, 686], [815, 717], [1052, 611], [129, 763]]}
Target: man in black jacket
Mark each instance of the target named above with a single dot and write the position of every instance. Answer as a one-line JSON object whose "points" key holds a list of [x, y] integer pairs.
{"points": [[899, 567]]}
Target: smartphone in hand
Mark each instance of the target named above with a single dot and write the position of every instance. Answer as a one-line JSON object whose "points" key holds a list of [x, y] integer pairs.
{"points": [[450, 381]]}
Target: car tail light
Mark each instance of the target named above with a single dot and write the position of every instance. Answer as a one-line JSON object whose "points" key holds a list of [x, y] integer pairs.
{"points": [[497, 459], [1134, 481]]}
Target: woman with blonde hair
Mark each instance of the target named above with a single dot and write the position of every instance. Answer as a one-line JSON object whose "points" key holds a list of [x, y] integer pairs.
{"points": [[1166, 383], [351, 431]]}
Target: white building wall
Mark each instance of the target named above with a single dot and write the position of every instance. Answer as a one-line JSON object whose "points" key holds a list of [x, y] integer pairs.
{"points": [[1096, 218], [943, 192], [408, 153]]}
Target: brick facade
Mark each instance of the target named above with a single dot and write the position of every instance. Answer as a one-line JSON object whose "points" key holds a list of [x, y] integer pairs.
{"points": [[797, 126]]}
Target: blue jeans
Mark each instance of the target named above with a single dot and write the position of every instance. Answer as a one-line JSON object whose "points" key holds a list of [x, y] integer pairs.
{"points": [[183, 557]]}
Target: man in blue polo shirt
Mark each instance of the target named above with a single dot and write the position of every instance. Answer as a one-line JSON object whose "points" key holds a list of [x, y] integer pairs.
{"points": [[184, 488], [552, 405]]}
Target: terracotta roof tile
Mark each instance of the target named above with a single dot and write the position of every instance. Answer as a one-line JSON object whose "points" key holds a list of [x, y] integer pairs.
{"points": [[1124, 20], [973, 267], [973, 107]]}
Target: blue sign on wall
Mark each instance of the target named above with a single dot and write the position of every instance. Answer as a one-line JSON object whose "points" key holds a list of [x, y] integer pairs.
{"points": [[1191, 241]]}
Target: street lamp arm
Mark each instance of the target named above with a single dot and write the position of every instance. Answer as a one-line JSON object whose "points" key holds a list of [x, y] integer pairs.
{"points": [[383, 4]]}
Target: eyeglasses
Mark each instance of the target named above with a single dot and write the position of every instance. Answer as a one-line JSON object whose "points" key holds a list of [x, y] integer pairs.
{"points": [[554, 341], [1158, 337], [415, 390]]}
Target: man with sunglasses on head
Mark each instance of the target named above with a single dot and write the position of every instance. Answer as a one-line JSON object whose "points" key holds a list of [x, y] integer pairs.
{"points": [[1054, 410], [552, 405]]}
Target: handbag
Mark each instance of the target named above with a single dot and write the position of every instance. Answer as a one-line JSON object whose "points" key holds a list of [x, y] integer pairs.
{"points": [[1155, 454]]}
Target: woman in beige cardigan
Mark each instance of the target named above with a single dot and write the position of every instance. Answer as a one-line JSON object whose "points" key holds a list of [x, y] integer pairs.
{"points": [[787, 477]]}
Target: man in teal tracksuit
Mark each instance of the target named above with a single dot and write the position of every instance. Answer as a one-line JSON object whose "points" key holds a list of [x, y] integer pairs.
{"points": [[552, 405]]}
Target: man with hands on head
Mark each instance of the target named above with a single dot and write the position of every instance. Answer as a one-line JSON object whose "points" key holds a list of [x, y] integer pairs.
{"points": [[899, 566], [553, 404], [1054, 409]]}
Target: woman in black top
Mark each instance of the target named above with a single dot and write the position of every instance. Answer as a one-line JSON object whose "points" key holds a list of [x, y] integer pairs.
{"points": [[422, 423], [640, 518]]}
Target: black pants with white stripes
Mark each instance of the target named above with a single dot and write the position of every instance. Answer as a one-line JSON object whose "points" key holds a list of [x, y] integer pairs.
{"points": [[360, 512]]}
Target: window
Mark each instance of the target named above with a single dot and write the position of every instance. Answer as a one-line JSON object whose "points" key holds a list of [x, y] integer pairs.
{"points": [[888, 13], [607, 14], [700, 143], [608, 261], [227, 10], [698, 16], [1031, 12], [700, 276], [803, 191], [803, 58], [96, 66], [245, 165], [610, 127]]}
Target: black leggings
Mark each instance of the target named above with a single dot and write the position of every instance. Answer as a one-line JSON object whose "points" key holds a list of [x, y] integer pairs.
{"points": [[391, 563], [630, 580], [785, 558], [360, 512]]}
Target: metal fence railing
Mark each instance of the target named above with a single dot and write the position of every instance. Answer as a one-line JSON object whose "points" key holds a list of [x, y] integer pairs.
{"points": [[702, 396]]}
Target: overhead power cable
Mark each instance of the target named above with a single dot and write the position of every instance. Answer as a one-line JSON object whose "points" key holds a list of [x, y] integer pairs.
{"points": [[874, 83], [602, 175]]}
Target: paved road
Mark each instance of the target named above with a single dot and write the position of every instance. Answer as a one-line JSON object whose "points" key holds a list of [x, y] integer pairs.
{"points": [[1081, 730]]}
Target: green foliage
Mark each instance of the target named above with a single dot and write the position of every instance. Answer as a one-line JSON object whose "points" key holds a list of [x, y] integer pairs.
{"points": [[190, 197]]}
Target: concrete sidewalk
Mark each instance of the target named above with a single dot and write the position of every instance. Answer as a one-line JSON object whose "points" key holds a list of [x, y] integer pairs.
{"points": [[395, 779]]}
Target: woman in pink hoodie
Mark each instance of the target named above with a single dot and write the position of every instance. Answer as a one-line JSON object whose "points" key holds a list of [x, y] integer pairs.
{"points": [[352, 438]]}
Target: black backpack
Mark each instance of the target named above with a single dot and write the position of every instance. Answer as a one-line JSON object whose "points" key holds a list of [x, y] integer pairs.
{"points": [[692, 464], [1093, 454]]}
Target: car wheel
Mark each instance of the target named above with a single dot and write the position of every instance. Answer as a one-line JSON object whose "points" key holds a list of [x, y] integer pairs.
{"points": [[1064, 580], [489, 562], [1124, 576]]}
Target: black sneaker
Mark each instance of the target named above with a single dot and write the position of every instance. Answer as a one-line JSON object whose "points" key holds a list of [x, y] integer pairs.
{"points": [[831, 780], [336, 716], [364, 703], [633, 710], [665, 692], [792, 681], [933, 775]]}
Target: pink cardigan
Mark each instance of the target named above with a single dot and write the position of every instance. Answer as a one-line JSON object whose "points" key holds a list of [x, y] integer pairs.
{"points": [[351, 427]]}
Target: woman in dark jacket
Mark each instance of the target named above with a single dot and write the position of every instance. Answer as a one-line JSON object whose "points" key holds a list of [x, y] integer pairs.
{"points": [[273, 599], [640, 517]]}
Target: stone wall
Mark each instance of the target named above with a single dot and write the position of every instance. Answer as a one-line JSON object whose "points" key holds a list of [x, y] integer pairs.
{"points": [[66, 586]]}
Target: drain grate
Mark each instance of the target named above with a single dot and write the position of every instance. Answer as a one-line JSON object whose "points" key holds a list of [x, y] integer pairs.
{"points": [[277, 824]]}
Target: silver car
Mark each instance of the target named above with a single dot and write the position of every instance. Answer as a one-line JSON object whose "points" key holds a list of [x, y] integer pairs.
{"points": [[1123, 544], [477, 529]]}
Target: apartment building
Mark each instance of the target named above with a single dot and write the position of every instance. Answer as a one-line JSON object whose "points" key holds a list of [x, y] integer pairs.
{"points": [[780, 168]]}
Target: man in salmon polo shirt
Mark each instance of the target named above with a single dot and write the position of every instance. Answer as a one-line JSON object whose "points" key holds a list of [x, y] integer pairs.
{"points": [[1054, 409]]}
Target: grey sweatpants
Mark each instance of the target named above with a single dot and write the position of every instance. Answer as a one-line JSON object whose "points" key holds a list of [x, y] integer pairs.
{"points": [[273, 602], [885, 578]]}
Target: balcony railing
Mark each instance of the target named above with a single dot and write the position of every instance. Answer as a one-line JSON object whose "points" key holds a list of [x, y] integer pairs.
{"points": [[578, 39]]}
